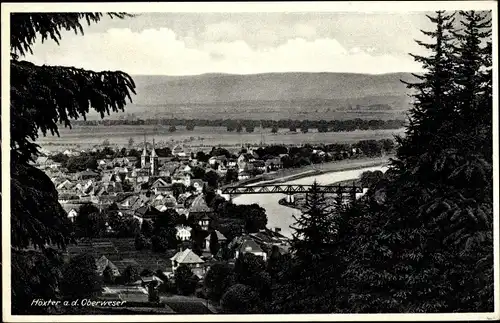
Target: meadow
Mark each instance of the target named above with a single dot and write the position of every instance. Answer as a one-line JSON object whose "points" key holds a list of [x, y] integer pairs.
{"points": [[201, 137]]}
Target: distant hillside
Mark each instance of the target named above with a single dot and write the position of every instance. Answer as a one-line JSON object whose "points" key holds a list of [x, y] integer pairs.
{"points": [[271, 96], [224, 88]]}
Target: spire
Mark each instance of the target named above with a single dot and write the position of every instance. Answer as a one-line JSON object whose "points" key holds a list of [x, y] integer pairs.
{"points": [[153, 152], [145, 150]]}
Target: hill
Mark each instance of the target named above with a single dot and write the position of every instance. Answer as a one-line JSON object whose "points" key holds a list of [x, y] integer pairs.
{"points": [[271, 96], [225, 88]]}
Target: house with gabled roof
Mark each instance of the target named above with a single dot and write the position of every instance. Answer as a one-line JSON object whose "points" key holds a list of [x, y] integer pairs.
{"points": [[260, 165], [186, 257], [179, 151], [65, 185], [124, 263], [148, 212], [220, 237], [104, 262], [87, 174], [249, 245], [199, 208]]}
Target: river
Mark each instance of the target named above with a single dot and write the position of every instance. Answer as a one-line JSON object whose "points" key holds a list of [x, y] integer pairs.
{"points": [[281, 216]]}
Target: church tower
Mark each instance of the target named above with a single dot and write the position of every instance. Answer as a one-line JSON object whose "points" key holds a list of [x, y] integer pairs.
{"points": [[153, 160], [144, 155]]}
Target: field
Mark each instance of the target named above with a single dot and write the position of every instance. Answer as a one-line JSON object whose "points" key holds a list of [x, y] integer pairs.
{"points": [[201, 138]]}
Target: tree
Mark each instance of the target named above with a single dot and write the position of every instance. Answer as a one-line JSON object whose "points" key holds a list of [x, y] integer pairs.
{"points": [[239, 299], [418, 249], [433, 92], [89, 223], [124, 227], [368, 179], [214, 243], [239, 128], [36, 215], [293, 127], [147, 228], [255, 217], [231, 176], [107, 275], [178, 189], [184, 280], [250, 128], [146, 272], [275, 263], [212, 179], [218, 280], [323, 127], [80, 278], [190, 126], [387, 145], [159, 243], [313, 245], [274, 129], [35, 275], [141, 242], [172, 128], [370, 148], [130, 274], [250, 270], [130, 144], [198, 172], [202, 157]]}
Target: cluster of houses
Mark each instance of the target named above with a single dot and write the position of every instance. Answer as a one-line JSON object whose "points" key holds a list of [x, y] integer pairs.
{"points": [[143, 191], [120, 180]]}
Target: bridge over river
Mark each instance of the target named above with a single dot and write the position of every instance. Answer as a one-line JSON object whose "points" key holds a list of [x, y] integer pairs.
{"points": [[281, 216], [346, 192]]}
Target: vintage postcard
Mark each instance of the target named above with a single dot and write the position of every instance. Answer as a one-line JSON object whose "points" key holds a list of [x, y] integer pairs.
{"points": [[250, 161]]}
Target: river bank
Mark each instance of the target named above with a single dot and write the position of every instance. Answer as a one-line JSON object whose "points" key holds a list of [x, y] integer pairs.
{"points": [[279, 216], [299, 199]]}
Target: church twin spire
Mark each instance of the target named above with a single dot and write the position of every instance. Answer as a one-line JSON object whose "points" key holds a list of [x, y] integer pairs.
{"points": [[153, 158]]}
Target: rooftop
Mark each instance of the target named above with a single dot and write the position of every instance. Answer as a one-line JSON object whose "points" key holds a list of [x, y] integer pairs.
{"points": [[187, 257], [249, 245], [199, 205]]}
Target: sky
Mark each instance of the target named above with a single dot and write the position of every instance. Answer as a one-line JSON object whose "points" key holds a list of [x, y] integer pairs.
{"points": [[243, 43]]}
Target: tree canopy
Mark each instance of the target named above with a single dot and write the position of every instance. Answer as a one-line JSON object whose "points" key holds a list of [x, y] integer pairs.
{"points": [[42, 98], [421, 239]]}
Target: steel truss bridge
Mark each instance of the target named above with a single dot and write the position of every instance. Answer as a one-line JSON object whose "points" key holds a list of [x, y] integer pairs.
{"points": [[339, 190]]}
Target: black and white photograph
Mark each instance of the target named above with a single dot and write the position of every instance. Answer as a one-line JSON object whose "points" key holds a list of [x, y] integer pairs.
{"points": [[298, 161]]}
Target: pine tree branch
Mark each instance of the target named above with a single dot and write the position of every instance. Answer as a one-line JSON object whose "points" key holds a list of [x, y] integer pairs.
{"points": [[44, 96], [26, 27]]}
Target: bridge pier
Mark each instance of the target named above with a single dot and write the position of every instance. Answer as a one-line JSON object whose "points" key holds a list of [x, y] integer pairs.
{"points": [[290, 199]]}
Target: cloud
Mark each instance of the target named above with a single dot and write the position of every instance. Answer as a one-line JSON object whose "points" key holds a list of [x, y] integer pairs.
{"points": [[222, 31], [161, 51]]}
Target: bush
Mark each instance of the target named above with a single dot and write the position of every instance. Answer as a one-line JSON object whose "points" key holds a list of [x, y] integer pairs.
{"points": [[185, 281], [239, 299], [218, 280]]}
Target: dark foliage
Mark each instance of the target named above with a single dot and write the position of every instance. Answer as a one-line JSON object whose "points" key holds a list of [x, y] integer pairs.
{"points": [[218, 279], [41, 98], [185, 281], [80, 279]]}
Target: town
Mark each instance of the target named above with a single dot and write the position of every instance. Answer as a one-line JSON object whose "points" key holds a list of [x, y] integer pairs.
{"points": [[147, 212], [157, 166]]}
